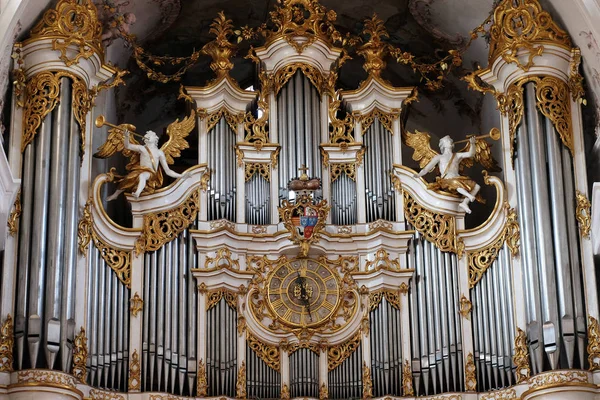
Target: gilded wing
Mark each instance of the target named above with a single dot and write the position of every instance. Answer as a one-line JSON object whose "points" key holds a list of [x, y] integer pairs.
{"points": [[177, 132], [114, 142], [483, 155], [420, 142]]}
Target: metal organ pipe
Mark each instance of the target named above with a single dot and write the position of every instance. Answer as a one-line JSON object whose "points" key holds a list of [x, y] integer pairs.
{"points": [[222, 162]]}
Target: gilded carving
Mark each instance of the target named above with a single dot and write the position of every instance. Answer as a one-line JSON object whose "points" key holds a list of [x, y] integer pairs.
{"points": [[14, 215], [85, 228], [506, 394], [240, 386], [232, 120], [519, 25], [407, 380], [285, 392], [337, 354], [367, 382], [403, 288], [222, 259], [558, 378], [7, 339], [575, 79], [117, 259], [375, 49], [386, 120], [202, 383], [583, 214], [97, 394], [214, 297], [513, 231], [480, 260], [552, 97], [382, 261], [71, 22], [46, 376], [136, 304], [341, 129], [593, 347], [437, 228], [470, 379], [323, 392], [135, 378], [256, 128], [266, 352], [220, 49], [80, 354], [162, 227], [465, 307], [241, 325], [521, 357], [392, 297], [381, 225], [263, 169], [283, 75], [337, 169]]}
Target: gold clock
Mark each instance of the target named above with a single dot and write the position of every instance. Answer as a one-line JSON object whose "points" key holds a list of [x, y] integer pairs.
{"points": [[303, 293]]}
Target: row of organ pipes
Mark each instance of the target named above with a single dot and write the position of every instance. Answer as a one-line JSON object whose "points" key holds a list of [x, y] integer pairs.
{"points": [[551, 271]]}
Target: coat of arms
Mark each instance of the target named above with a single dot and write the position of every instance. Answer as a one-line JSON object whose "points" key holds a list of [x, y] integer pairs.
{"points": [[304, 217]]}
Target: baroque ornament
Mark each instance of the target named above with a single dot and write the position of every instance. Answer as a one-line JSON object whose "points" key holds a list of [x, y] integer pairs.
{"points": [[80, 354], [7, 339], [263, 169], [266, 352], [136, 304], [470, 378], [521, 357], [407, 380], [215, 297], [382, 261], [15, 213], [135, 373], [337, 354], [202, 383], [285, 392], [323, 392], [593, 347], [222, 260], [367, 382], [85, 228], [465, 307], [437, 228], [240, 386], [513, 230], [583, 214]]}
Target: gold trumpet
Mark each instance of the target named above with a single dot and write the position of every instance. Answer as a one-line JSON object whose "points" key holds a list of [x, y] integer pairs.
{"points": [[494, 135], [101, 121]]}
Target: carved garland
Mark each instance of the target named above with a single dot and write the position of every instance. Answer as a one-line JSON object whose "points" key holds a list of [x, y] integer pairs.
{"points": [[80, 354], [367, 382], [521, 357], [14, 215], [7, 340], [266, 352], [135, 376], [593, 347], [439, 229], [513, 231], [407, 380], [202, 383], [240, 386], [162, 227], [336, 355], [583, 214]]}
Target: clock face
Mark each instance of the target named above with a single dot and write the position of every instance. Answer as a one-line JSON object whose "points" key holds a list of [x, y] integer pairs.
{"points": [[303, 293]]}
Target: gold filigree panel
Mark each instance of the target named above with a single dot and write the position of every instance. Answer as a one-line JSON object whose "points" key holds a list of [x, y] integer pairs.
{"points": [[382, 261], [386, 120], [232, 120], [336, 171], [407, 380], [283, 75], [13, 218], [470, 378], [266, 352], [240, 386], [593, 347], [223, 259], [214, 297], [336, 355], [263, 169], [481, 259], [521, 357], [7, 340], [367, 382], [583, 213], [202, 383], [80, 354], [437, 228], [134, 383]]}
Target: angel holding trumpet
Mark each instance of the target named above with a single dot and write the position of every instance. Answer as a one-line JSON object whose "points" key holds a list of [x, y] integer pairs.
{"points": [[450, 164], [145, 175]]}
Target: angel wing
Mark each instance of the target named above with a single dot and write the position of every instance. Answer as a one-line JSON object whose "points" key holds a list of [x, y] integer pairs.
{"points": [[177, 132], [483, 155], [420, 143], [114, 143]]}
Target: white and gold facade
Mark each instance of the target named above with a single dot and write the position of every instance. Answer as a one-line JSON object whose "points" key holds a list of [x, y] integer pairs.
{"points": [[219, 289]]}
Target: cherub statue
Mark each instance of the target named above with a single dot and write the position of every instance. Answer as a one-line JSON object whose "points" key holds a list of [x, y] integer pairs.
{"points": [[145, 175], [451, 164]]}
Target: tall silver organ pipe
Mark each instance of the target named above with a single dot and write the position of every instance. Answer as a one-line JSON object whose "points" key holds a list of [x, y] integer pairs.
{"points": [[262, 381], [551, 268], [380, 194], [170, 313], [386, 350], [44, 322], [107, 326], [221, 345], [435, 326], [222, 163], [343, 201], [304, 373], [345, 380], [258, 200], [494, 325], [298, 119]]}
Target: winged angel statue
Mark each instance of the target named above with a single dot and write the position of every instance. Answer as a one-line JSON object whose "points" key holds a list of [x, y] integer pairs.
{"points": [[451, 164], [145, 175]]}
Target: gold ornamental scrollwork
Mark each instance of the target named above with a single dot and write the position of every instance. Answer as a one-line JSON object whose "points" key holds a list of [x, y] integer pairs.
{"points": [[41, 96], [521, 357], [558, 378], [575, 79], [60, 379], [470, 378], [439, 229], [392, 297], [323, 392], [136, 304], [162, 227], [256, 128], [337, 354], [341, 129], [593, 347], [367, 382], [283, 75], [336, 171], [97, 394], [583, 213], [386, 120], [85, 228], [480, 260], [266, 352], [263, 169], [13, 218], [214, 297], [552, 97], [7, 340], [202, 383], [222, 259], [232, 120], [240, 386], [465, 307], [285, 392], [80, 354], [72, 22], [134, 382], [513, 231], [117, 259], [521, 24], [382, 261], [289, 210], [407, 380]]}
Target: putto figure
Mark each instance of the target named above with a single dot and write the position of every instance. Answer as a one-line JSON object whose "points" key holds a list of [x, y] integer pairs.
{"points": [[450, 164], [145, 175]]}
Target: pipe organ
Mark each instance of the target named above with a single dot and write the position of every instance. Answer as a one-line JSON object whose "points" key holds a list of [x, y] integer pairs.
{"points": [[301, 257]]}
